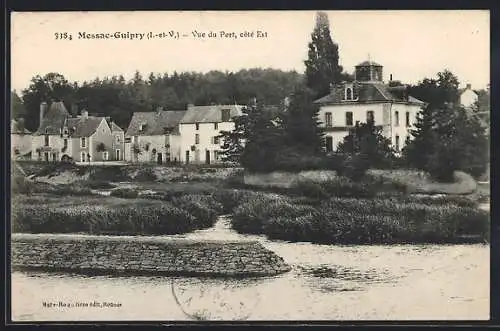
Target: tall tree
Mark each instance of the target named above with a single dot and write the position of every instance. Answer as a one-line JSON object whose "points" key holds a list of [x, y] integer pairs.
{"points": [[301, 124], [322, 65]]}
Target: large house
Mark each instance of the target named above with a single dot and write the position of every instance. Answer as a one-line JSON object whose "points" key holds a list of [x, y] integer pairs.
{"points": [[200, 129], [82, 138], [468, 97], [154, 136], [368, 98], [20, 139]]}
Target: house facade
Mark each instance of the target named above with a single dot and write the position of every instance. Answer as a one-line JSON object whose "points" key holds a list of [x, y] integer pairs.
{"points": [[82, 138], [118, 142], [468, 97], [154, 136], [50, 141], [20, 139], [368, 98], [200, 129]]}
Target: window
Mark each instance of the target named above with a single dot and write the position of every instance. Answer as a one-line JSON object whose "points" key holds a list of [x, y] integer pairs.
{"points": [[65, 143], [329, 144], [83, 143], [348, 93], [408, 119], [397, 144], [348, 118], [196, 138], [47, 140], [328, 120], [396, 118], [46, 130], [136, 139], [225, 114], [82, 156], [197, 126], [216, 140], [117, 138], [216, 126], [216, 155], [370, 116], [105, 155]]}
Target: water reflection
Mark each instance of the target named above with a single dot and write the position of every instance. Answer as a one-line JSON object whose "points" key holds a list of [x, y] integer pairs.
{"points": [[429, 282]]}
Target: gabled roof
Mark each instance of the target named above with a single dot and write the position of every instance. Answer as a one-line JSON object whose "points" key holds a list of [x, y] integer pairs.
{"points": [[83, 127], [115, 128], [18, 128], [368, 92], [53, 119], [209, 114], [462, 90], [154, 123]]}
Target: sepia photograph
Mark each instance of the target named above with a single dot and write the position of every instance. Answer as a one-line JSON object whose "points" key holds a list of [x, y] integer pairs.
{"points": [[186, 166]]}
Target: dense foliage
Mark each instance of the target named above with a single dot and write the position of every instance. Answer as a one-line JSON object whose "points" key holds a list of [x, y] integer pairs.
{"points": [[119, 98], [322, 64], [447, 137]]}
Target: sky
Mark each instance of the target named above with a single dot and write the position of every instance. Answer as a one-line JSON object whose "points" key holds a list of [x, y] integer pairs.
{"points": [[411, 45]]}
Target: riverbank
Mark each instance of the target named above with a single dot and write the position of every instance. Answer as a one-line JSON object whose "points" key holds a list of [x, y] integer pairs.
{"points": [[334, 210], [327, 282]]}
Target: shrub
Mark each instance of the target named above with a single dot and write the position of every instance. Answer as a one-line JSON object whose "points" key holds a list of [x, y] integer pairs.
{"points": [[230, 199], [97, 184], [251, 216], [145, 175], [203, 208], [363, 221], [355, 167], [161, 219], [309, 189], [126, 193], [291, 229], [295, 161], [108, 174]]}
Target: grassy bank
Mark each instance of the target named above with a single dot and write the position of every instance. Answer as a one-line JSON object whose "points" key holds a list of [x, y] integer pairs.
{"points": [[379, 209], [363, 221], [109, 215]]}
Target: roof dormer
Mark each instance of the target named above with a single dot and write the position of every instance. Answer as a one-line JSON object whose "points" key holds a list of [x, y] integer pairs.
{"points": [[350, 92]]}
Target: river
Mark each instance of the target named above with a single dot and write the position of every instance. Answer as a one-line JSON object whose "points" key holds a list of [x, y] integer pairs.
{"points": [[397, 282]]}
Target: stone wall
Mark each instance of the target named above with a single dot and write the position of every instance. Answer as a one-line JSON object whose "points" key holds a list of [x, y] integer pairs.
{"points": [[136, 255]]}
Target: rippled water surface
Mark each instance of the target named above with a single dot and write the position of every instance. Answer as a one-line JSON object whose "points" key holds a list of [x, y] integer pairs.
{"points": [[327, 282]]}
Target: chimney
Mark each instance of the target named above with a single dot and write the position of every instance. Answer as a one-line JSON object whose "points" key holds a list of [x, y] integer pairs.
{"points": [[85, 114], [469, 86], [43, 109], [190, 105], [390, 77]]}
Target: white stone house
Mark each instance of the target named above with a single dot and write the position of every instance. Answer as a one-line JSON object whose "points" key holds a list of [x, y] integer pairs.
{"points": [[154, 136], [59, 136], [391, 107], [20, 139], [200, 129], [468, 97]]}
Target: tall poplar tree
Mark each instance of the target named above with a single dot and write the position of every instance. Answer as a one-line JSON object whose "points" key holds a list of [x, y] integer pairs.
{"points": [[322, 65]]}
